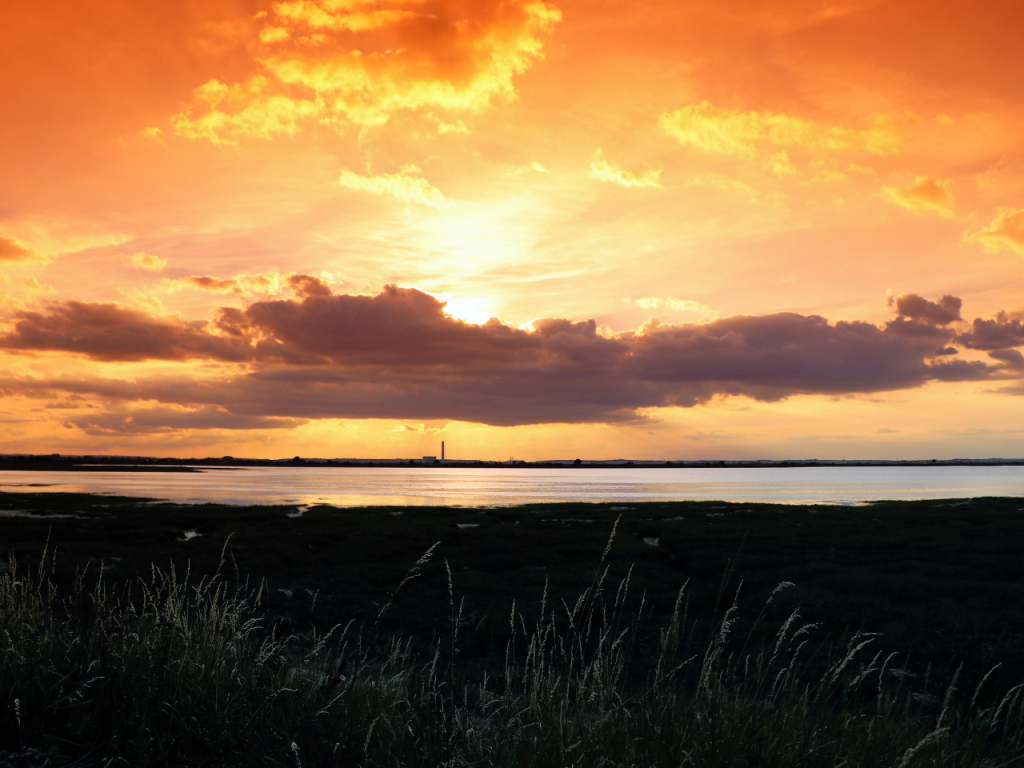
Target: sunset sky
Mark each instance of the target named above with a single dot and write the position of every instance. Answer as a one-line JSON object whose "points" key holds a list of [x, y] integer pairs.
{"points": [[663, 229]]}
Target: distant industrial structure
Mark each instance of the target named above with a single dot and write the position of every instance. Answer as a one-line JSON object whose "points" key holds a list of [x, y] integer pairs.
{"points": [[433, 459]]}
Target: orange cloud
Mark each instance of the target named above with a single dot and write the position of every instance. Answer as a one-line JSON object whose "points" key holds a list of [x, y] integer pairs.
{"points": [[712, 129], [56, 234], [12, 249], [244, 285], [405, 187], [925, 195], [607, 171], [147, 261], [1005, 231], [207, 283], [341, 62]]}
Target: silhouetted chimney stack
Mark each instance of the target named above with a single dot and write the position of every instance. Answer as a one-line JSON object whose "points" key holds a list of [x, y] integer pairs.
{"points": [[442, 450]]}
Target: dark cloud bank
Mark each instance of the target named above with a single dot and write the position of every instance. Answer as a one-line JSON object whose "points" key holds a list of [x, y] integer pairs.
{"points": [[398, 355]]}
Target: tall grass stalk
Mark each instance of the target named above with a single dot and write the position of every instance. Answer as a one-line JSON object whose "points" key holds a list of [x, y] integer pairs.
{"points": [[177, 671]]}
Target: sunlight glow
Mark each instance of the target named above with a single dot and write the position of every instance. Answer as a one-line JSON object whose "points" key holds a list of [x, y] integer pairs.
{"points": [[476, 310]]}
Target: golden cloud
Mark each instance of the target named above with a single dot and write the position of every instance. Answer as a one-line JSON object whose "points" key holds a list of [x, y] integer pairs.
{"points": [[1005, 231], [143, 300], [781, 164], [711, 129], [356, 62], [147, 261], [34, 285], [925, 195], [404, 186], [607, 171], [245, 109]]}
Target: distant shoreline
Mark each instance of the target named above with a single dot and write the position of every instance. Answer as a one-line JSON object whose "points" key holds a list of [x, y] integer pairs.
{"points": [[94, 463]]}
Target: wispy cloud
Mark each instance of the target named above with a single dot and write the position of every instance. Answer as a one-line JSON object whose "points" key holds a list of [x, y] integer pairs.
{"points": [[924, 195], [1006, 230], [713, 129], [406, 187], [669, 302], [605, 170], [243, 284], [147, 261], [34, 285]]}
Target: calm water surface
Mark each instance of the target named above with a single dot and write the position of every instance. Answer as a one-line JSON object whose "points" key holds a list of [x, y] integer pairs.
{"points": [[354, 486]]}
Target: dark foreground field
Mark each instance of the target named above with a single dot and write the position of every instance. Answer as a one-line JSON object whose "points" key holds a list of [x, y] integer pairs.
{"points": [[942, 581]]}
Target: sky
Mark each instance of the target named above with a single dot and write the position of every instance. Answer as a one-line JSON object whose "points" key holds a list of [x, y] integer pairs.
{"points": [[654, 229]]}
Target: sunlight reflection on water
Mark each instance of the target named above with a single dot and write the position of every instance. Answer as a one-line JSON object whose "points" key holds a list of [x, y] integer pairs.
{"points": [[356, 486]]}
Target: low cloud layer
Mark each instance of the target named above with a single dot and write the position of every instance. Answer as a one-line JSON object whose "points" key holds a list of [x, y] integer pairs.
{"points": [[398, 354]]}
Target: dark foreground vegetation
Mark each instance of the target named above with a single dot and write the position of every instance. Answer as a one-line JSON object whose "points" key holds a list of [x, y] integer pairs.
{"points": [[513, 641]]}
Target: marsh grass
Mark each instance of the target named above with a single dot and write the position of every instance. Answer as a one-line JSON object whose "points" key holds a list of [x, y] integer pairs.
{"points": [[172, 670]]}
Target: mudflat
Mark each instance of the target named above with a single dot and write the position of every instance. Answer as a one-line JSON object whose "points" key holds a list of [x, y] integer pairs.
{"points": [[942, 581]]}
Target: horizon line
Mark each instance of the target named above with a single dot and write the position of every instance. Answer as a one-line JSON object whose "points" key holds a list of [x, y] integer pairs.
{"points": [[426, 460]]}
